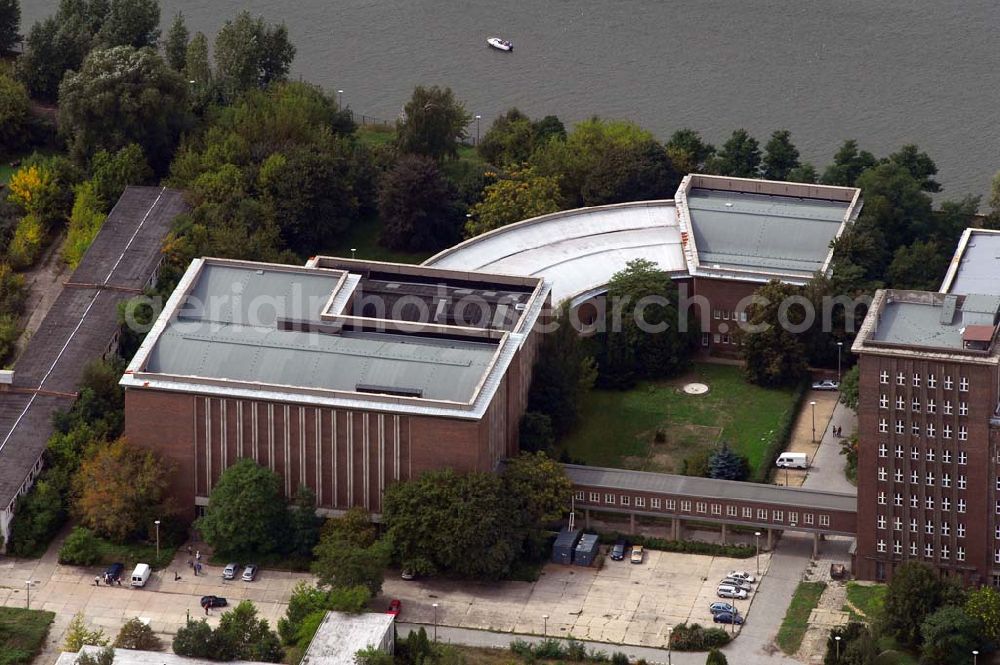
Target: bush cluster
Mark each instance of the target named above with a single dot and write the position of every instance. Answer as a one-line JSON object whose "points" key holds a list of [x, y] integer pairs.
{"points": [[780, 437], [697, 638], [571, 650], [682, 546]]}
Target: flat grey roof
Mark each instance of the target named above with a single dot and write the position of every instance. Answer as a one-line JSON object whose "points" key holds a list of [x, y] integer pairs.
{"points": [[922, 319], [763, 233], [645, 481], [975, 268], [576, 250], [341, 636]]}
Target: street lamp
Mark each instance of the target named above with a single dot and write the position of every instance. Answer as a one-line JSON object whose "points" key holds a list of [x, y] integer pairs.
{"points": [[670, 635], [836, 638], [157, 523], [813, 405], [340, 99], [435, 606], [975, 656], [353, 252], [545, 625], [756, 537], [477, 128], [27, 599], [840, 347]]}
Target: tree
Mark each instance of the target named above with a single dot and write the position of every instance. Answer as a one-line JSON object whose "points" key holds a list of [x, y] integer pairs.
{"points": [[644, 333], [518, 196], [781, 157], [252, 54], [15, 111], [419, 207], [77, 635], [688, 152], [122, 96], [848, 164], [372, 656], [509, 141], [539, 487], [949, 635], [242, 635], [84, 223], [433, 124], [176, 45], [639, 172], [105, 656], [193, 639], [134, 23], [716, 657], [354, 527], [727, 464], [856, 646], [53, 46], [849, 388], [121, 489], [303, 523], [535, 432], [803, 173], [564, 372], [308, 603], [913, 594], [548, 128], [983, 606], [81, 548], [739, 156], [340, 564], [10, 24], [246, 511], [773, 354], [198, 68], [920, 266], [136, 634], [112, 172], [920, 166]]}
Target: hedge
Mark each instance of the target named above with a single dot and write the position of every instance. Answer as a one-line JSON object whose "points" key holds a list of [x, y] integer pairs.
{"points": [[682, 546], [779, 440], [697, 638]]}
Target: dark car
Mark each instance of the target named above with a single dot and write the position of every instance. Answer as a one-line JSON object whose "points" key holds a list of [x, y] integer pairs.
{"points": [[618, 550], [727, 617], [114, 573], [213, 601]]}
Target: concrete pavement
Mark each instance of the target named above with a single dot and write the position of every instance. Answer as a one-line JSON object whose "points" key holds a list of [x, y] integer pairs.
{"points": [[828, 465]]}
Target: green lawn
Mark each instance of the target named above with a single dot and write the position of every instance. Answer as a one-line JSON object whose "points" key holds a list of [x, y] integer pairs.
{"points": [[870, 599], [618, 428], [132, 553], [22, 633], [363, 237], [796, 621]]}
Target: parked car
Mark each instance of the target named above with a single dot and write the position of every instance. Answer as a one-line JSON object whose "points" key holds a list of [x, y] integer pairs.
{"points": [[729, 591], [719, 606], [113, 573], [728, 617], [213, 601], [742, 574], [738, 583], [618, 550], [229, 572], [636, 556], [250, 572], [827, 384], [395, 607], [407, 574]]}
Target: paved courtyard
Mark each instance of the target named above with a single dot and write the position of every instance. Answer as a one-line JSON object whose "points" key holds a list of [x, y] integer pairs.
{"points": [[622, 603]]}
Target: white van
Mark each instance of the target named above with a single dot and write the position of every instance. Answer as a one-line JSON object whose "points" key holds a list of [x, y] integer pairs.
{"points": [[793, 461], [141, 574]]}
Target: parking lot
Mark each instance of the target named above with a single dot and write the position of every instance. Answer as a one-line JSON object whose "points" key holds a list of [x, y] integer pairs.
{"points": [[622, 603]]}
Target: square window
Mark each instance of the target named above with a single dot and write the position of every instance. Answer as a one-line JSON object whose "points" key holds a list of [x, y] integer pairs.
{"points": [[915, 428], [609, 499], [881, 501], [762, 514], [913, 524], [654, 503], [880, 523], [929, 455], [725, 315], [915, 405], [930, 430], [946, 457], [914, 477], [808, 517], [962, 482], [883, 450], [963, 457], [913, 549], [916, 380], [945, 504], [686, 506], [899, 451], [946, 431], [897, 524], [900, 402], [883, 425], [963, 408], [579, 496], [929, 479], [731, 511], [747, 513], [716, 508], [793, 517], [931, 381], [897, 499], [702, 507], [948, 383], [640, 502], [625, 500], [824, 520], [595, 497], [777, 516], [960, 553], [671, 504], [929, 503], [960, 506], [716, 313], [717, 338], [945, 529], [963, 385], [914, 501], [960, 531], [947, 407], [899, 427], [963, 433], [929, 551], [881, 473], [897, 547]]}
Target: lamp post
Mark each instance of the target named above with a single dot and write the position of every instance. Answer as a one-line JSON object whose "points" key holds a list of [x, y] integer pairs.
{"points": [[545, 625], [975, 657], [670, 635], [157, 523], [354, 251], [435, 606], [813, 405], [477, 128], [756, 537], [340, 99], [840, 347], [836, 638], [27, 599]]}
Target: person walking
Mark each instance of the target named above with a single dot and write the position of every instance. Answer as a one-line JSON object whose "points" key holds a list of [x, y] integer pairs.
{"points": [[97, 580]]}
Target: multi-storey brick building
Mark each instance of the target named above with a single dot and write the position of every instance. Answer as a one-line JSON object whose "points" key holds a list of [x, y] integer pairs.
{"points": [[928, 481], [345, 376]]}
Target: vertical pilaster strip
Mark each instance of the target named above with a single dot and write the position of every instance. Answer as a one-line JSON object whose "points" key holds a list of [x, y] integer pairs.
{"points": [[224, 441], [333, 440], [239, 429], [270, 436], [302, 445], [319, 456], [365, 460], [208, 445], [350, 458], [395, 442], [255, 433], [288, 450]]}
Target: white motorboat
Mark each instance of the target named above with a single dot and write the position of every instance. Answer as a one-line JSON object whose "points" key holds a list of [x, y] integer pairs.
{"points": [[500, 44]]}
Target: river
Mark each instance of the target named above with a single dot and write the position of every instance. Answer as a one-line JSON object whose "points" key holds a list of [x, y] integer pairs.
{"points": [[886, 72]]}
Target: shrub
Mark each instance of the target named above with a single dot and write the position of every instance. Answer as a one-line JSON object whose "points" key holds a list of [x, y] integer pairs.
{"points": [[550, 650], [84, 223], [682, 546], [618, 658], [521, 648], [26, 245], [80, 549], [716, 657], [138, 635], [77, 635], [696, 638], [575, 651], [780, 437]]}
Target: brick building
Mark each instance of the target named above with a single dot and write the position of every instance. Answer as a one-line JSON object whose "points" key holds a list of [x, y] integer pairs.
{"points": [[342, 375]]}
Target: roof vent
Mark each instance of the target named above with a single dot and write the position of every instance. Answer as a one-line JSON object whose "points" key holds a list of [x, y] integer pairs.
{"points": [[948, 309]]}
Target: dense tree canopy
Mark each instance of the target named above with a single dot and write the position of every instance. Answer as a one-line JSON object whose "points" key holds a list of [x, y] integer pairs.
{"points": [[781, 157], [688, 152], [15, 113], [134, 23], [10, 23], [419, 207], [246, 512], [914, 594], [516, 196], [434, 123], [121, 96], [639, 172], [176, 45], [773, 351], [509, 141], [739, 156], [848, 163], [251, 54], [949, 635]]}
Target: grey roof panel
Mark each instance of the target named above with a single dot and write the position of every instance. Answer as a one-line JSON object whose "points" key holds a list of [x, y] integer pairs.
{"points": [[591, 476], [978, 269]]}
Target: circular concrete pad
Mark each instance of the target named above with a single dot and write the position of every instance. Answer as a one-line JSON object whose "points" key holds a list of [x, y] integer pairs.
{"points": [[696, 389]]}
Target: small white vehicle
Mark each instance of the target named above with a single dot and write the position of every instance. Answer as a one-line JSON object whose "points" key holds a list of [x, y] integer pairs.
{"points": [[500, 44], [141, 575], [792, 461], [743, 575], [729, 591]]}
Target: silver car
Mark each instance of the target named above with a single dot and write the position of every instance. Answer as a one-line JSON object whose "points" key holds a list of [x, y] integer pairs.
{"points": [[229, 572], [739, 583]]}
